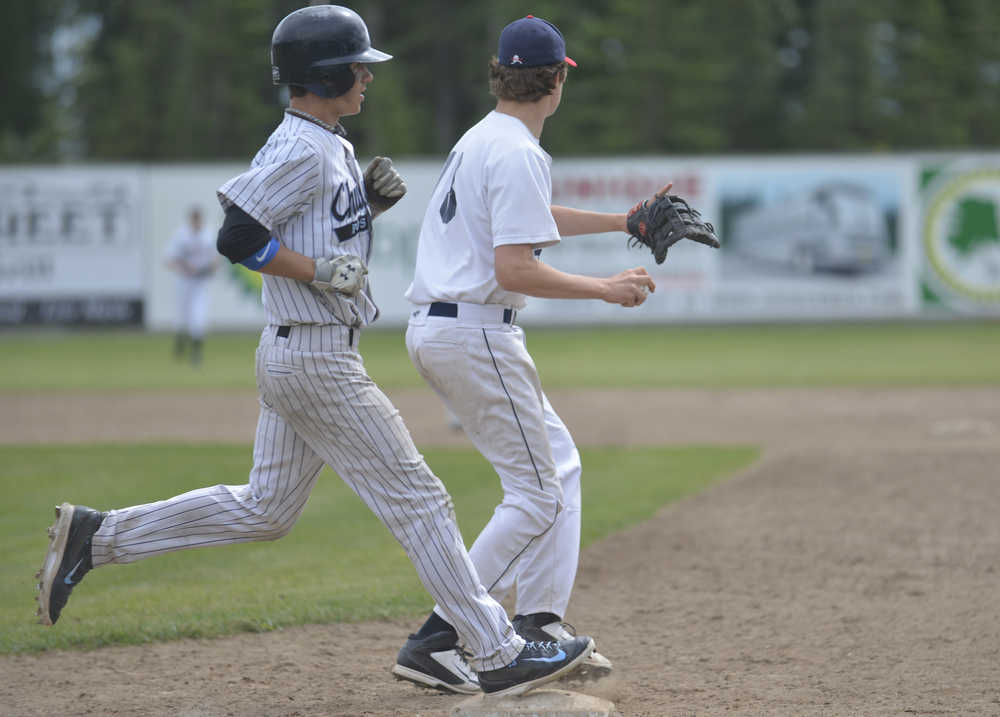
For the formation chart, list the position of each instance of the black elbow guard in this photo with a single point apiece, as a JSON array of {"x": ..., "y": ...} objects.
[{"x": 241, "y": 235}]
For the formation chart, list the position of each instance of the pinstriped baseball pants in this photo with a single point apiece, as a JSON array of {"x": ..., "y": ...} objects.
[{"x": 319, "y": 406}]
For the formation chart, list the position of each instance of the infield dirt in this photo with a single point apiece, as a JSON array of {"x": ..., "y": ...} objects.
[{"x": 853, "y": 570}]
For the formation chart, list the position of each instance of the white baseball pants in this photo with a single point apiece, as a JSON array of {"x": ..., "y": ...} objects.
[
  {"x": 481, "y": 369},
  {"x": 192, "y": 305}
]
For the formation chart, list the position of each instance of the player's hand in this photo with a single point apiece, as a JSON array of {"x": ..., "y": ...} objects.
[
  {"x": 383, "y": 185},
  {"x": 666, "y": 188},
  {"x": 629, "y": 288},
  {"x": 343, "y": 274}
]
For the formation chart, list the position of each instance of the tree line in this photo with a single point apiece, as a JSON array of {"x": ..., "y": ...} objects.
[{"x": 173, "y": 80}]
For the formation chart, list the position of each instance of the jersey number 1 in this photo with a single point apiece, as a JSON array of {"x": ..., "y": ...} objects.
[{"x": 450, "y": 204}]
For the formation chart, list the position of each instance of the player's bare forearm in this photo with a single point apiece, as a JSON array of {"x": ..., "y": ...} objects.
[
  {"x": 572, "y": 222},
  {"x": 290, "y": 264},
  {"x": 537, "y": 279},
  {"x": 518, "y": 270}
]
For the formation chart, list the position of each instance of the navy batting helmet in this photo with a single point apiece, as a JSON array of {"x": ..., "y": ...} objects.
[{"x": 314, "y": 47}]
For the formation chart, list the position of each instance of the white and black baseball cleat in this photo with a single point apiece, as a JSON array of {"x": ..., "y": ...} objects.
[
  {"x": 68, "y": 558},
  {"x": 436, "y": 661},
  {"x": 540, "y": 627},
  {"x": 537, "y": 664}
]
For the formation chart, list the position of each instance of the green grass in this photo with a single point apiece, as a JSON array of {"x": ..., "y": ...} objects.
[
  {"x": 337, "y": 564},
  {"x": 325, "y": 571},
  {"x": 890, "y": 354}
]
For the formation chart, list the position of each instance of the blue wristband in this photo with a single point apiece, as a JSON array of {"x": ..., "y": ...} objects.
[{"x": 260, "y": 259}]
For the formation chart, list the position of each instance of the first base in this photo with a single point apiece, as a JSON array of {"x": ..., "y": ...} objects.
[{"x": 543, "y": 703}]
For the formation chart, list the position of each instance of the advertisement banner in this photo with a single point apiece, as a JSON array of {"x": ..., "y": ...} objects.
[
  {"x": 960, "y": 236},
  {"x": 820, "y": 238},
  {"x": 684, "y": 281},
  {"x": 803, "y": 238},
  {"x": 72, "y": 249}
]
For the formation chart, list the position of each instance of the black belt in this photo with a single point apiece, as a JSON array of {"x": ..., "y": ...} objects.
[
  {"x": 445, "y": 308},
  {"x": 283, "y": 331}
]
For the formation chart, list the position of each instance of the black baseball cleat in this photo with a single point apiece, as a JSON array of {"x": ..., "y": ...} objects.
[
  {"x": 67, "y": 560},
  {"x": 543, "y": 626},
  {"x": 537, "y": 663},
  {"x": 436, "y": 661}
]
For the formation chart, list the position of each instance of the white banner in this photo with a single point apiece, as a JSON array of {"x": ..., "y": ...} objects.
[
  {"x": 804, "y": 238},
  {"x": 815, "y": 238},
  {"x": 72, "y": 249}
]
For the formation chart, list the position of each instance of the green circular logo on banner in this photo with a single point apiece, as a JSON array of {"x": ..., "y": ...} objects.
[{"x": 961, "y": 237}]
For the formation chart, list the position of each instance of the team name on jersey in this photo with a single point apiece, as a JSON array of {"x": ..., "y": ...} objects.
[
  {"x": 347, "y": 231},
  {"x": 349, "y": 202}
]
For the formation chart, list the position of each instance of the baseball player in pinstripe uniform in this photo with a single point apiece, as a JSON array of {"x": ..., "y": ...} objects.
[
  {"x": 302, "y": 215},
  {"x": 478, "y": 256}
]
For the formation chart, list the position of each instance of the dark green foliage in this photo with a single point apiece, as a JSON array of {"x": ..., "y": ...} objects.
[
  {"x": 26, "y": 127},
  {"x": 189, "y": 79}
]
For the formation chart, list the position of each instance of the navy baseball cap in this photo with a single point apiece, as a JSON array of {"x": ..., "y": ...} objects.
[{"x": 532, "y": 42}]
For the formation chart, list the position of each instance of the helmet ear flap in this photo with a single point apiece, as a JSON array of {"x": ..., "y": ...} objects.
[
  {"x": 339, "y": 78},
  {"x": 331, "y": 81}
]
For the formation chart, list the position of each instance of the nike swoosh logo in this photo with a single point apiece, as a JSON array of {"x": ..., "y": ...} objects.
[
  {"x": 456, "y": 664},
  {"x": 260, "y": 257},
  {"x": 561, "y": 655},
  {"x": 69, "y": 576},
  {"x": 463, "y": 672}
]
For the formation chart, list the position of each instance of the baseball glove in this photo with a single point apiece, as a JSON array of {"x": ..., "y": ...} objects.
[
  {"x": 344, "y": 274},
  {"x": 664, "y": 220}
]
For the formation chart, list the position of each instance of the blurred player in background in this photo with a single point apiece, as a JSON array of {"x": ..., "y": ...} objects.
[{"x": 191, "y": 254}]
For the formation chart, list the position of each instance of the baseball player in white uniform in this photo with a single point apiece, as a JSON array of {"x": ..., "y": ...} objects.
[
  {"x": 191, "y": 254},
  {"x": 302, "y": 216},
  {"x": 488, "y": 220}
]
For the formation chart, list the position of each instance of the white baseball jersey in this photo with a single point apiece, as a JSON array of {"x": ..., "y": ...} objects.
[
  {"x": 306, "y": 187},
  {"x": 195, "y": 249},
  {"x": 495, "y": 189},
  {"x": 196, "y": 255}
]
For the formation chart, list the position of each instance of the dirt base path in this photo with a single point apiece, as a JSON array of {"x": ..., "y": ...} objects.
[{"x": 855, "y": 570}]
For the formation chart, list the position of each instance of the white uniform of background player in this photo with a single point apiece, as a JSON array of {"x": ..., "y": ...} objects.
[
  {"x": 488, "y": 220},
  {"x": 317, "y": 404},
  {"x": 192, "y": 255}
]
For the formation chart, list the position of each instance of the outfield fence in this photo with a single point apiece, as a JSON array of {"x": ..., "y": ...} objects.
[{"x": 818, "y": 237}]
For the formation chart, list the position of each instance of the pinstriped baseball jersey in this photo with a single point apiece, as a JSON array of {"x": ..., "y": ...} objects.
[
  {"x": 318, "y": 405},
  {"x": 306, "y": 187}
]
